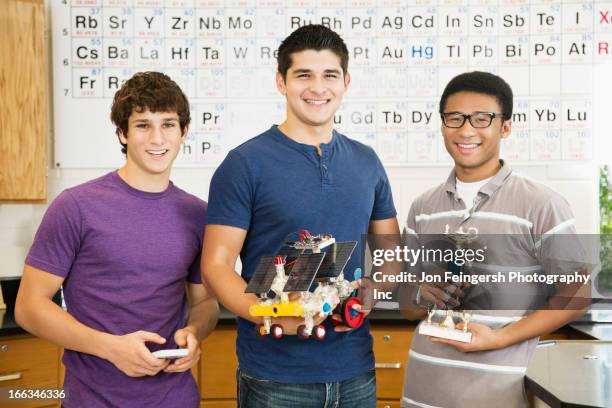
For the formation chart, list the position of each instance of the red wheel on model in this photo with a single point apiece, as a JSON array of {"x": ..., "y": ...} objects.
[
  {"x": 276, "y": 330},
  {"x": 319, "y": 332},
  {"x": 351, "y": 317}
]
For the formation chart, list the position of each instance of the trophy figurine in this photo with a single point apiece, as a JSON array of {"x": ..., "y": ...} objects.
[
  {"x": 448, "y": 322},
  {"x": 446, "y": 328}
]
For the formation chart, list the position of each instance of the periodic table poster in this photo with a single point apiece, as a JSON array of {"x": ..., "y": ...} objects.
[{"x": 402, "y": 54}]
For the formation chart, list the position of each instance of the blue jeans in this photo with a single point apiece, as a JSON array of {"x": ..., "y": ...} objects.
[{"x": 357, "y": 392}]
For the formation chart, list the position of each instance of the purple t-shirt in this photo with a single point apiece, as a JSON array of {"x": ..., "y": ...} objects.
[{"x": 125, "y": 255}]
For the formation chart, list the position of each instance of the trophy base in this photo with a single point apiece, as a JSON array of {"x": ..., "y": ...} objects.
[{"x": 436, "y": 330}]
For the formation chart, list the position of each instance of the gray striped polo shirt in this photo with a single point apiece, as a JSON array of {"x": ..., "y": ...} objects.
[{"x": 521, "y": 213}]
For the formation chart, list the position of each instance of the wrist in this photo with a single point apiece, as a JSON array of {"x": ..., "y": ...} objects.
[
  {"x": 105, "y": 346},
  {"x": 499, "y": 339}
]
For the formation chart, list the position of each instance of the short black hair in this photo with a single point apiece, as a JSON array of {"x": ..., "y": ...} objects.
[
  {"x": 483, "y": 83},
  {"x": 311, "y": 37},
  {"x": 148, "y": 90}
]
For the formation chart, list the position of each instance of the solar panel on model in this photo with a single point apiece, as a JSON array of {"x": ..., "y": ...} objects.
[
  {"x": 336, "y": 259},
  {"x": 290, "y": 254},
  {"x": 304, "y": 270},
  {"x": 263, "y": 276}
]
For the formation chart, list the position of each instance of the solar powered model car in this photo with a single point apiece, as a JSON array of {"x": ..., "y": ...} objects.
[{"x": 298, "y": 267}]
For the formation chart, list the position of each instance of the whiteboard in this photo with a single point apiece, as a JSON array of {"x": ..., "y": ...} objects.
[{"x": 402, "y": 54}]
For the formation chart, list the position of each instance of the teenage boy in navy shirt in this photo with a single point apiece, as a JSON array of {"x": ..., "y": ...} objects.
[{"x": 298, "y": 175}]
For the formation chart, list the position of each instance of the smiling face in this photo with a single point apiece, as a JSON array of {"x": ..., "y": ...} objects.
[
  {"x": 314, "y": 86},
  {"x": 475, "y": 151},
  {"x": 153, "y": 142}
]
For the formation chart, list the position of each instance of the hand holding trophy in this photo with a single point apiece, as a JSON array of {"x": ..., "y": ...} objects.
[{"x": 446, "y": 328}]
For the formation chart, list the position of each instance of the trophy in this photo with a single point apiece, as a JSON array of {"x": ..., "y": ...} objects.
[{"x": 446, "y": 328}]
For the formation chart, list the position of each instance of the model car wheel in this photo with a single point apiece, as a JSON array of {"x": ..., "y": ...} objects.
[
  {"x": 261, "y": 330},
  {"x": 319, "y": 332},
  {"x": 301, "y": 332},
  {"x": 277, "y": 331},
  {"x": 351, "y": 317}
]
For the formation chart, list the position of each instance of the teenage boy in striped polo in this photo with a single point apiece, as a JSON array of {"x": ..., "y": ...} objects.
[{"x": 483, "y": 193}]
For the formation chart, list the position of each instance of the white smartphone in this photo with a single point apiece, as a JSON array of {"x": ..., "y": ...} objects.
[{"x": 171, "y": 354}]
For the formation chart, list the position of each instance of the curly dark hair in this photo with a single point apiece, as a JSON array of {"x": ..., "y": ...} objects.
[
  {"x": 311, "y": 37},
  {"x": 152, "y": 91}
]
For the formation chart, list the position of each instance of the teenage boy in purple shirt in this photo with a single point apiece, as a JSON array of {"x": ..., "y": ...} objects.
[{"x": 126, "y": 248}]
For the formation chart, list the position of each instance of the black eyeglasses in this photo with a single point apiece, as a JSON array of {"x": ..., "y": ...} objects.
[{"x": 478, "y": 120}]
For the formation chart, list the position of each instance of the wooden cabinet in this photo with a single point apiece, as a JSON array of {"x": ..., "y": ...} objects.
[
  {"x": 22, "y": 101},
  {"x": 391, "y": 345},
  {"x": 218, "y": 404},
  {"x": 218, "y": 364},
  {"x": 28, "y": 362},
  {"x": 387, "y": 404}
]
